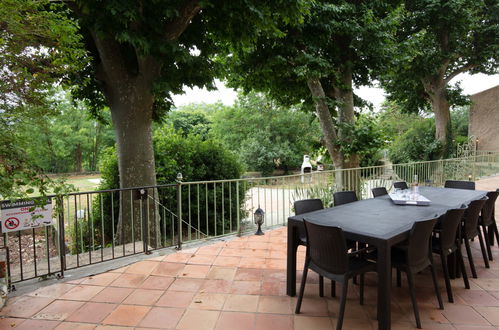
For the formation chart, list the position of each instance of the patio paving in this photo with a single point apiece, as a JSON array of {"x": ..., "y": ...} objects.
[{"x": 240, "y": 284}]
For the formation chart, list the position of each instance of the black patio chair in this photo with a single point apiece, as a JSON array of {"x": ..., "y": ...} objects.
[
  {"x": 379, "y": 191},
  {"x": 327, "y": 255},
  {"x": 414, "y": 256},
  {"x": 487, "y": 220},
  {"x": 400, "y": 185},
  {"x": 470, "y": 230},
  {"x": 445, "y": 242},
  {"x": 344, "y": 197},
  {"x": 470, "y": 185}
]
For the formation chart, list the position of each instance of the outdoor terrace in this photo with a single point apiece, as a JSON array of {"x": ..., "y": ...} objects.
[{"x": 239, "y": 283}]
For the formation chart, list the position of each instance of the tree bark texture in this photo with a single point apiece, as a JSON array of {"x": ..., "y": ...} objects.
[{"x": 441, "y": 109}]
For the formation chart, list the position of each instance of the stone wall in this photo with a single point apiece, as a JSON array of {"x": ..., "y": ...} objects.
[{"x": 484, "y": 119}]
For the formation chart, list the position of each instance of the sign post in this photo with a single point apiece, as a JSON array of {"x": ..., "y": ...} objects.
[{"x": 25, "y": 214}]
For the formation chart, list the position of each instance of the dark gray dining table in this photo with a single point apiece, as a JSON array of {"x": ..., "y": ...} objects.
[{"x": 379, "y": 223}]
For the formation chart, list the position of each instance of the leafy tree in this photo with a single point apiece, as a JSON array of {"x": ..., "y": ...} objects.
[
  {"x": 317, "y": 63},
  {"x": 438, "y": 40},
  {"x": 38, "y": 46},
  {"x": 418, "y": 143},
  {"x": 66, "y": 141},
  {"x": 190, "y": 121},
  {"x": 265, "y": 135},
  {"x": 144, "y": 51}
]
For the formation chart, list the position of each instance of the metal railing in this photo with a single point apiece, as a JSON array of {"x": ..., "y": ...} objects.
[{"x": 100, "y": 226}]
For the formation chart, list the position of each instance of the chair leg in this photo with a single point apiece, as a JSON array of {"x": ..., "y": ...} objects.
[
  {"x": 361, "y": 293},
  {"x": 343, "y": 301},
  {"x": 463, "y": 270},
  {"x": 487, "y": 242},
  {"x": 302, "y": 287},
  {"x": 482, "y": 248},
  {"x": 445, "y": 268},
  {"x": 470, "y": 257},
  {"x": 496, "y": 231},
  {"x": 399, "y": 278},
  {"x": 321, "y": 286},
  {"x": 412, "y": 291},
  {"x": 333, "y": 288},
  {"x": 435, "y": 284}
]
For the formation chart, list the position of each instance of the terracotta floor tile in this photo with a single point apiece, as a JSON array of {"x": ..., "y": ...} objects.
[
  {"x": 235, "y": 320},
  {"x": 274, "y": 322},
  {"x": 275, "y": 263},
  {"x": 216, "y": 286},
  {"x": 92, "y": 312},
  {"x": 10, "y": 322},
  {"x": 82, "y": 292},
  {"x": 38, "y": 325},
  {"x": 164, "y": 318},
  {"x": 127, "y": 315},
  {"x": 274, "y": 275},
  {"x": 489, "y": 284},
  {"x": 103, "y": 279},
  {"x": 276, "y": 305},
  {"x": 209, "y": 250},
  {"x": 157, "y": 282},
  {"x": 251, "y": 262},
  {"x": 312, "y": 322},
  {"x": 58, "y": 310},
  {"x": 52, "y": 291},
  {"x": 491, "y": 314},
  {"x": 278, "y": 254},
  {"x": 195, "y": 271},
  {"x": 143, "y": 297},
  {"x": 221, "y": 273},
  {"x": 196, "y": 319},
  {"x": 258, "y": 245},
  {"x": 25, "y": 306},
  {"x": 474, "y": 327},
  {"x": 241, "y": 303},
  {"x": 461, "y": 314},
  {"x": 357, "y": 324},
  {"x": 186, "y": 284},
  {"x": 202, "y": 259},
  {"x": 142, "y": 267},
  {"x": 211, "y": 301},
  {"x": 129, "y": 280},
  {"x": 178, "y": 257},
  {"x": 273, "y": 289},
  {"x": 478, "y": 298},
  {"x": 112, "y": 295},
  {"x": 227, "y": 261},
  {"x": 75, "y": 326},
  {"x": 168, "y": 269},
  {"x": 245, "y": 287},
  {"x": 175, "y": 299},
  {"x": 112, "y": 327},
  {"x": 248, "y": 274}
]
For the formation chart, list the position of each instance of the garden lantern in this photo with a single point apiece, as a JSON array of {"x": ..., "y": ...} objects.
[{"x": 259, "y": 218}]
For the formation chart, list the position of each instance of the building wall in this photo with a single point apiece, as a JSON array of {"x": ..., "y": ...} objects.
[{"x": 484, "y": 119}]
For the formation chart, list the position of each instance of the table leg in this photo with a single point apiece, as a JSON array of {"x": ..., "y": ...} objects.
[
  {"x": 384, "y": 286},
  {"x": 291, "y": 262}
]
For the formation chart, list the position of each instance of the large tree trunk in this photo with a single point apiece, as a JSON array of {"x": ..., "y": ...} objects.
[
  {"x": 441, "y": 109},
  {"x": 344, "y": 95},
  {"x": 132, "y": 121}
]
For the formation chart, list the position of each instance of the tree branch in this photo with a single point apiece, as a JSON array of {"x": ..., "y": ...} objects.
[
  {"x": 458, "y": 71},
  {"x": 175, "y": 28}
]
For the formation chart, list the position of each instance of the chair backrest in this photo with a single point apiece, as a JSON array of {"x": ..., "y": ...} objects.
[
  {"x": 400, "y": 185},
  {"x": 327, "y": 247},
  {"x": 450, "y": 223},
  {"x": 470, "y": 185},
  {"x": 379, "y": 191},
  {"x": 344, "y": 197},
  {"x": 308, "y": 205},
  {"x": 471, "y": 217},
  {"x": 488, "y": 208},
  {"x": 419, "y": 244}
]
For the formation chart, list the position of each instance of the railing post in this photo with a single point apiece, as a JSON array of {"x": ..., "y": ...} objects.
[
  {"x": 179, "y": 211},
  {"x": 145, "y": 221},
  {"x": 238, "y": 210},
  {"x": 62, "y": 245},
  {"x": 473, "y": 173}
]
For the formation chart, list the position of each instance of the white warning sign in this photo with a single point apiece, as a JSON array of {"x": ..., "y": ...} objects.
[{"x": 23, "y": 214}]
